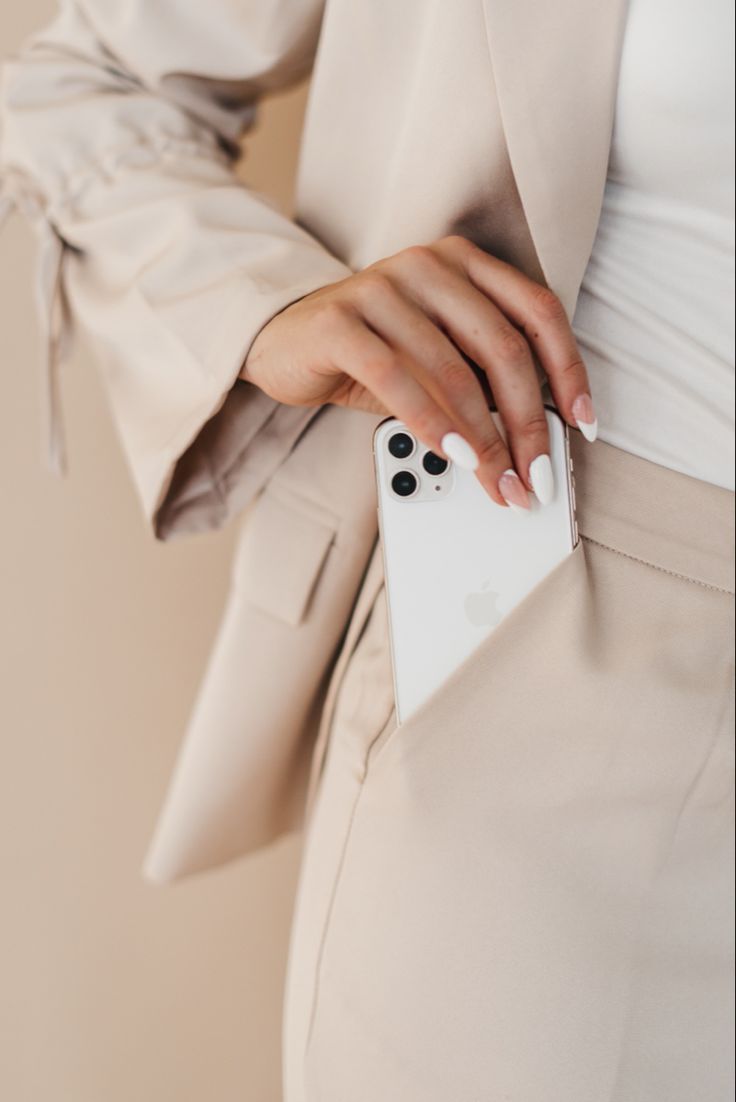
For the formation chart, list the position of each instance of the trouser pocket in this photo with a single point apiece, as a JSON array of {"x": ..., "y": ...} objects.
[
  {"x": 395, "y": 950},
  {"x": 508, "y": 861}
]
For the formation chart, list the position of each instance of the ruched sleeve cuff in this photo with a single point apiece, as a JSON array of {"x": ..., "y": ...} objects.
[{"x": 154, "y": 249}]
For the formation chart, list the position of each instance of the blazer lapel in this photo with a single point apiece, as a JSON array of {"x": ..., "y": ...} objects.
[{"x": 556, "y": 70}]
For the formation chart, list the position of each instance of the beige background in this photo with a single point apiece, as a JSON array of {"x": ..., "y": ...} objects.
[{"x": 112, "y": 990}]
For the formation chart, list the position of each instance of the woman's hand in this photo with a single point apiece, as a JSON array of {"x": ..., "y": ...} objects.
[{"x": 389, "y": 339}]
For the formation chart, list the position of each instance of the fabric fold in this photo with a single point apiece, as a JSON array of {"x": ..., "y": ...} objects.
[
  {"x": 151, "y": 245},
  {"x": 53, "y": 317}
]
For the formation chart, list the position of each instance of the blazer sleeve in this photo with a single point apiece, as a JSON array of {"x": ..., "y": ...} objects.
[{"x": 119, "y": 133}]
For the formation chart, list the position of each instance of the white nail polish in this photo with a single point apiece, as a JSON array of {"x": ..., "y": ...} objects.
[
  {"x": 589, "y": 429},
  {"x": 459, "y": 451},
  {"x": 513, "y": 491},
  {"x": 585, "y": 418},
  {"x": 542, "y": 479}
]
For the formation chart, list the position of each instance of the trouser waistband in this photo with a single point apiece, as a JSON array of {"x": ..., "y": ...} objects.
[{"x": 675, "y": 522}]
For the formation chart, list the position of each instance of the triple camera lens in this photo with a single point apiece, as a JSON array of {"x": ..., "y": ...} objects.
[{"x": 405, "y": 483}]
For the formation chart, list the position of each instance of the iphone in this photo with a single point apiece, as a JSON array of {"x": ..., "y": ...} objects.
[{"x": 455, "y": 562}]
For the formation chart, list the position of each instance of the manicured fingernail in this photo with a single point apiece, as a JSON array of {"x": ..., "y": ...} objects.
[
  {"x": 514, "y": 492},
  {"x": 542, "y": 479},
  {"x": 459, "y": 451},
  {"x": 585, "y": 418}
]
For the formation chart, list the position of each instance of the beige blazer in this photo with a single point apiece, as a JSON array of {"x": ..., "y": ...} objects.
[{"x": 121, "y": 125}]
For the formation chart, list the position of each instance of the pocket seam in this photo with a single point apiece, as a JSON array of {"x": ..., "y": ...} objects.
[
  {"x": 655, "y": 566},
  {"x": 333, "y": 896}
]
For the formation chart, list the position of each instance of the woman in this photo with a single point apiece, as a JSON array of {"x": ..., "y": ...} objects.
[{"x": 523, "y": 892}]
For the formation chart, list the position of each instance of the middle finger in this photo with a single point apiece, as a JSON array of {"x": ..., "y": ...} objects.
[{"x": 478, "y": 327}]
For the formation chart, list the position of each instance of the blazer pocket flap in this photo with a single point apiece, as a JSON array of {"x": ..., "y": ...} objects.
[{"x": 281, "y": 556}]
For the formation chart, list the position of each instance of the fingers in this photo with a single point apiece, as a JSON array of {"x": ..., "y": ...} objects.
[
  {"x": 403, "y": 331},
  {"x": 365, "y": 357},
  {"x": 539, "y": 313},
  {"x": 436, "y": 364},
  {"x": 480, "y": 329}
]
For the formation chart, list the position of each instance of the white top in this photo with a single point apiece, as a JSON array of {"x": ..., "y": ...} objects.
[{"x": 655, "y": 318}]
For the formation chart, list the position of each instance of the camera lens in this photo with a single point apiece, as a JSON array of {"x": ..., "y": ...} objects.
[
  {"x": 404, "y": 483},
  {"x": 434, "y": 464},
  {"x": 401, "y": 445}
]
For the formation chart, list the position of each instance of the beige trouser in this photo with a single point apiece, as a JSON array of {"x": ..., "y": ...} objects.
[{"x": 525, "y": 892}]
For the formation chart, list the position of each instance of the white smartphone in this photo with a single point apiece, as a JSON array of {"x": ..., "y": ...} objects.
[{"x": 455, "y": 562}]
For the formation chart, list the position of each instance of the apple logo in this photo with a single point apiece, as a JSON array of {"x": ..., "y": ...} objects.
[{"x": 482, "y": 608}]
